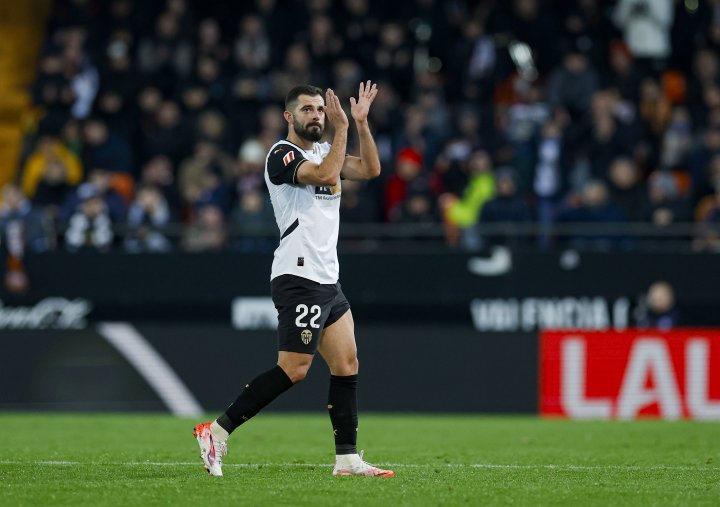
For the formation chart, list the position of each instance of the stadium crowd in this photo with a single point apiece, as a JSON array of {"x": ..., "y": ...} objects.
[{"x": 157, "y": 113}]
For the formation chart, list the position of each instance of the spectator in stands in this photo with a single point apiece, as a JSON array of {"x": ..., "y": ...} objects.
[
  {"x": 646, "y": 28},
  {"x": 622, "y": 76},
  {"x": 408, "y": 173},
  {"x": 210, "y": 42},
  {"x": 165, "y": 55},
  {"x": 167, "y": 135},
  {"x": 594, "y": 207},
  {"x": 100, "y": 184},
  {"x": 250, "y": 169},
  {"x": 358, "y": 204},
  {"x": 203, "y": 177},
  {"x": 507, "y": 205},
  {"x": 147, "y": 219},
  {"x": 665, "y": 204},
  {"x": 207, "y": 232},
  {"x": 21, "y": 222},
  {"x": 627, "y": 189},
  {"x": 418, "y": 207},
  {"x": 658, "y": 309},
  {"x": 252, "y": 49},
  {"x": 53, "y": 189},
  {"x": 158, "y": 173},
  {"x": 393, "y": 57},
  {"x": 103, "y": 148},
  {"x": 571, "y": 86},
  {"x": 708, "y": 210},
  {"x": 90, "y": 226},
  {"x": 254, "y": 220},
  {"x": 460, "y": 214},
  {"x": 49, "y": 150}
]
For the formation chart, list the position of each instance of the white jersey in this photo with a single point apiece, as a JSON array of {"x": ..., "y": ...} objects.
[{"x": 308, "y": 216}]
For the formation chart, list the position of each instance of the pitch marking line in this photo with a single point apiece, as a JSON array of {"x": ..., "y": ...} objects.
[{"x": 398, "y": 465}]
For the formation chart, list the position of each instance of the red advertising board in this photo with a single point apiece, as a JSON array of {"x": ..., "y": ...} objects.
[{"x": 630, "y": 374}]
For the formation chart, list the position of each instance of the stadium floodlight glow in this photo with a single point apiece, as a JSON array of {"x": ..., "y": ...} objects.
[{"x": 523, "y": 60}]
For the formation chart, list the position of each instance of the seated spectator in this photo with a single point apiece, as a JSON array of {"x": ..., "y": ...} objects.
[
  {"x": 53, "y": 189},
  {"x": 90, "y": 226},
  {"x": 418, "y": 207},
  {"x": 465, "y": 212},
  {"x": 665, "y": 204},
  {"x": 147, "y": 218},
  {"x": 507, "y": 205},
  {"x": 101, "y": 181},
  {"x": 18, "y": 214},
  {"x": 207, "y": 231},
  {"x": 594, "y": 207},
  {"x": 408, "y": 174},
  {"x": 708, "y": 212},
  {"x": 626, "y": 188},
  {"x": 249, "y": 169},
  {"x": 358, "y": 204},
  {"x": 254, "y": 220},
  {"x": 48, "y": 149},
  {"x": 105, "y": 149},
  {"x": 203, "y": 176},
  {"x": 158, "y": 173}
]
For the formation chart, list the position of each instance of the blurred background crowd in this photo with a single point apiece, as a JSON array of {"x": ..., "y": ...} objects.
[{"x": 151, "y": 119}]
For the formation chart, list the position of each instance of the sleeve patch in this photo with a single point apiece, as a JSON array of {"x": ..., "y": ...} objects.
[{"x": 282, "y": 164}]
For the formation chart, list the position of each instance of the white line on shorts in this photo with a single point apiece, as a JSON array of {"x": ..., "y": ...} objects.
[{"x": 397, "y": 465}]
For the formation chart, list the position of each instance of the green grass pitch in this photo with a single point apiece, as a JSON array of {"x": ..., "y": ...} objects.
[{"x": 284, "y": 459}]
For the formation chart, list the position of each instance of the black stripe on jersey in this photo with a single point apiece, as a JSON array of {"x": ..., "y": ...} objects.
[
  {"x": 283, "y": 163},
  {"x": 290, "y": 229}
]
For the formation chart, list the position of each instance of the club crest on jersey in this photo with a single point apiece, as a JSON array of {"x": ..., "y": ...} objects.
[
  {"x": 289, "y": 157},
  {"x": 306, "y": 336}
]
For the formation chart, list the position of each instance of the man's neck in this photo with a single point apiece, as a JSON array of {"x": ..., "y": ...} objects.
[{"x": 299, "y": 141}]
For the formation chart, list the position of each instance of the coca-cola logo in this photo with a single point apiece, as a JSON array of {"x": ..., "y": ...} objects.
[{"x": 48, "y": 313}]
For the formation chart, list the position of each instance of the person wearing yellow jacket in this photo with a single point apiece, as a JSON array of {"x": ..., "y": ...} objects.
[
  {"x": 461, "y": 213},
  {"x": 49, "y": 149}
]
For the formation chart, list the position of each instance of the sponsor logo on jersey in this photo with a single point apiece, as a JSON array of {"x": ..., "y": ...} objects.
[
  {"x": 327, "y": 190},
  {"x": 306, "y": 336},
  {"x": 289, "y": 157}
]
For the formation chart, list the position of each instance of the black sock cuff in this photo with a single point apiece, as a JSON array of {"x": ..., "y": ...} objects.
[
  {"x": 349, "y": 380},
  {"x": 282, "y": 377},
  {"x": 225, "y": 423}
]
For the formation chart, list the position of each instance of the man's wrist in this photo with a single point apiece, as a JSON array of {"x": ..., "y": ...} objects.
[{"x": 361, "y": 123}]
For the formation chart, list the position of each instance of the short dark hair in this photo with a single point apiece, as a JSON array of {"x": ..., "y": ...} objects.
[{"x": 293, "y": 94}]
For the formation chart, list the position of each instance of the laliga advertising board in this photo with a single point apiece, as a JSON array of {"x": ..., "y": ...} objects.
[{"x": 630, "y": 374}]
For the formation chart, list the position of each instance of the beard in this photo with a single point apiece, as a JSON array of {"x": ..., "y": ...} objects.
[{"x": 313, "y": 135}]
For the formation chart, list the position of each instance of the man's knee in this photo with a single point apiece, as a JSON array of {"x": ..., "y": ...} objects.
[
  {"x": 295, "y": 370},
  {"x": 348, "y": 366}
]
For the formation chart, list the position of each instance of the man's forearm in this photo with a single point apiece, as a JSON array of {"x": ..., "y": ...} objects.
[
  {"x": 333, "y": 162},
  {"x": 369, "y": 158}
]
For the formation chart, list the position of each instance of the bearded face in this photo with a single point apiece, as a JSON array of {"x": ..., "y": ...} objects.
[{"x": 310, "y": 131}]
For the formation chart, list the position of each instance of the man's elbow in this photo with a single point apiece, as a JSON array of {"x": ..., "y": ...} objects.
[
  {"x": 374, "y": 172},
  {"x": 329, "y": 181}
]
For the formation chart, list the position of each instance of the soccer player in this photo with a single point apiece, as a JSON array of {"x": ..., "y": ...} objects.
[{"x": 304, "y": 179}]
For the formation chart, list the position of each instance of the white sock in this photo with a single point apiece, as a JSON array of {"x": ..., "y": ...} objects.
[
  {"x": 347, "y": 460},
  {"x": 218, "y": 431}
]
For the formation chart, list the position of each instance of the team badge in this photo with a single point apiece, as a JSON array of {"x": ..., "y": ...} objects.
[
  {"x": 306, "y": 336},
  {"x": 289, "y": 157}
]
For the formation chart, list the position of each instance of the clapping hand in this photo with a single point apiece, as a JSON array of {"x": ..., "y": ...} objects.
[{"x": 359, "y": 108}]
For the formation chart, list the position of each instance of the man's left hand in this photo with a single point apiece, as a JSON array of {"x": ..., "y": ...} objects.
[{"x": 360, "y": 108}]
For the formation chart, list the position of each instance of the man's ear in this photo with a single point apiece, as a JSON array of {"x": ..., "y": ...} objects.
[{"x": 288, "y": 116}]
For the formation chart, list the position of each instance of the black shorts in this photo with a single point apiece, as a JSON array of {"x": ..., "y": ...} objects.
[{"x": 304, "y": 309}]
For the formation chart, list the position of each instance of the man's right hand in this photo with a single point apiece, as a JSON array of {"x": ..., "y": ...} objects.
[{"x": 334, "y": 111}]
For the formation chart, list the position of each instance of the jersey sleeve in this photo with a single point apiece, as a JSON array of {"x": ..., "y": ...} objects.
[{"x": 283, "y": 163}]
